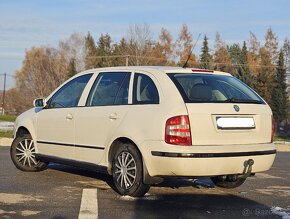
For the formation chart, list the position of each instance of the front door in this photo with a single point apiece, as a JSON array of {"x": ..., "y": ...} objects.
[{"x": 56, "y": 122}]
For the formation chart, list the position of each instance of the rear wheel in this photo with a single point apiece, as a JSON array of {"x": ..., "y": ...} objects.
[
  {"x": 22, "y": 153},
  {"x": 228, "y": 182},
  {"x": 127, "y": 170}
]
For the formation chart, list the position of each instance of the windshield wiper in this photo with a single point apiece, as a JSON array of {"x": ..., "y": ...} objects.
[{"x": 234, "y": 100}]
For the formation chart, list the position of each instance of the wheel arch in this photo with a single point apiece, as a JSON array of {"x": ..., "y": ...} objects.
[
  {"x": 114, "y": 147},
  {"x": 22, "y": 130},
  {"x": 25, "y": 126}
]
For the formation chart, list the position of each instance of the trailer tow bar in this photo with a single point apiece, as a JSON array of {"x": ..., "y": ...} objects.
[{"x": 249, "y": 164}]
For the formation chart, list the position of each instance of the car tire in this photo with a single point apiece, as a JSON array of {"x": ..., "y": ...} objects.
[
  {"x": 127, "y": 171},
  {"x": 226, "y": 183},
  {"x": 22, "y": 153}
]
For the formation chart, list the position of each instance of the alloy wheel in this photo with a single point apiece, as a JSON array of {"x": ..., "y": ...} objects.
[
  {"x": 125, "y": 170},
  {"x": 25, "y": 153}
]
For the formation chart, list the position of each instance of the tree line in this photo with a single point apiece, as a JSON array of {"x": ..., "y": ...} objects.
[{"x": 260, "y": 64}]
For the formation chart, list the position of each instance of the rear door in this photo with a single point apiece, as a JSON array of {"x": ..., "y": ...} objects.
[
  {"x": 223, "y": 111},
  {"x": 97, "y": 121}
]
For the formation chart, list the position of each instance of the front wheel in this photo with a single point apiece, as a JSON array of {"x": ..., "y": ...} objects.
[
  {"x": 228, "y": 182},
  {"x": 127, "y": 170},
  {"x": 22, "y": 153}
]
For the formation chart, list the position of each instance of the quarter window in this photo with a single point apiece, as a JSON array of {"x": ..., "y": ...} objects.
[
  {"x": 69, "y": 95},
  {"x": 110, "y": 88},
  {"x": 144, "y": 91}
]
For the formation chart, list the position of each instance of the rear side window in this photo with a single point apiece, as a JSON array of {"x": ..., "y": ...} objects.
[
  {"x": 110, "y": 88},
  {"x": 144, "y": 90},
  {"x": 207, "y": 88}
]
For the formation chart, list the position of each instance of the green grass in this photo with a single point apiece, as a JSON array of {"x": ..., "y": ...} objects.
[
  {"x": 8, "y": 118},
  {"x": 281, "y": 138},
  {"x": 7, "y": 134}
]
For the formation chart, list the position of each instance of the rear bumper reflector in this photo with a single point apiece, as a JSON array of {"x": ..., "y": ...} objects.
[{"x": 211, "y": 155}]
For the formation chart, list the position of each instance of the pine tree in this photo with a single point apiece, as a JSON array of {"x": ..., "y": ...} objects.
[
  {"x": 243, "y": 69},
  {"x": 104, "y": 48},
  {"x": 240, "y": 62},
  {"x": 205, "y": 57},
  {"x": 71, "y": 68},
  {"x": 279, "y": 95},
  {"x": 121, "y": 49},
  {"x": 90, "y": 52},
  {"x": 264, "y": 80},
  {"x": 235, "y": 52}
]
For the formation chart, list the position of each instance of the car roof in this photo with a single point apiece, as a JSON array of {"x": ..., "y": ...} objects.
[{"x": 158, "y": 69}]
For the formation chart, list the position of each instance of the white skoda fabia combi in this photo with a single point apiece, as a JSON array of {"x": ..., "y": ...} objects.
[{"x": 142, "y": 124}]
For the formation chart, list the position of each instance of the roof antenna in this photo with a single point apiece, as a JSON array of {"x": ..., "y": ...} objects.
[{"x": 185, "y": 64}]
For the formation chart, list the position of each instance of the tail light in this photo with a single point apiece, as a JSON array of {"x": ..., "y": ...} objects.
[
  {"x": 273, "y": 129},
  {"x": 177, "y": 131}
]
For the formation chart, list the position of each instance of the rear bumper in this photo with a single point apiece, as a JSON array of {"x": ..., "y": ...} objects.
[{"x": 162, "y": 159}]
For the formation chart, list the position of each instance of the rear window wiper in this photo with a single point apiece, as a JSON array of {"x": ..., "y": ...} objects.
[{"x": 234, "y": 100}]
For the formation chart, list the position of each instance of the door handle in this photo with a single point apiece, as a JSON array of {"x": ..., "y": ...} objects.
[
  {"x": 69, "y": 116},
  {"x": 114, "y": 116}
]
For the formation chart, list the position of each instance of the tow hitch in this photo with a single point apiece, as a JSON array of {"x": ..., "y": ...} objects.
[
  {"x": 234, "y": 180},
  {"x": 248, "y": 169}
]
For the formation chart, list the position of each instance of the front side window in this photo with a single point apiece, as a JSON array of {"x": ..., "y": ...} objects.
[
  {"x": 144, "y": 90},
  {"x": 110, "y": 88},
  {"x": 207, "y": 88},
  {"x": 69, "y": 94}
]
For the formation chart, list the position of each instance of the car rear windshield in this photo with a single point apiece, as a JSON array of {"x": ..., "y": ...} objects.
[{"x": 208, "y": 88}]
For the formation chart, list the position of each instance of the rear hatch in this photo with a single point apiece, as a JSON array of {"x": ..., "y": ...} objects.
[
  {"x": 220, "y": 124},
  {"x": 222, "y": 110}
]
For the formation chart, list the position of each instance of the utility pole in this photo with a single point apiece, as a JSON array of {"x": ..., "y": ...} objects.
[
  {"x": 127, "y": 60},
  {"x": 3, "y": 98}
]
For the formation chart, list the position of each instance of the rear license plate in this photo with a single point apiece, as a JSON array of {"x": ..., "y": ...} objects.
[{"x": 235, "y": 123}]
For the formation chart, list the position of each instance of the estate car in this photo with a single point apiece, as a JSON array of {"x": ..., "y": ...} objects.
[{"x": 143, "y": 124}]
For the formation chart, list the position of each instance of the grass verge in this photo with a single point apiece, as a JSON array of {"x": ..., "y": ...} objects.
[
  {"x": 8, "y": 118},
  {"x": 6, "y": 134},
  {"x": 281, "y": 137}
]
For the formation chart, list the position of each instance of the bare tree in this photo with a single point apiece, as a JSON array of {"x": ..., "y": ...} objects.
[
  {"x": 166, "y": 44},
  {"x": 43, "y": 69},
  {"x": 271, "y": 45},
  {"x": 183, "y": 46},
  {"x": 254, "y": 44},
  {"x": 253, "y": 54},
  {"x": 222, "y": 58},
  {"x": 73, "y": 48},
  {"x": 286, "y": 51},
  {"x": 139, "y": 44}
]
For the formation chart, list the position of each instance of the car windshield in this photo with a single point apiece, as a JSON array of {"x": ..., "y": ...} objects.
[{"x": 208, "y": 88}]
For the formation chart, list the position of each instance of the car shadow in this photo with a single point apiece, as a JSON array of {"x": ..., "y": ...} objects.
[
  {"x": 168, "y": 204},
  {"x": 172, "y": 182},
  {"x": 82, "y": 172}
]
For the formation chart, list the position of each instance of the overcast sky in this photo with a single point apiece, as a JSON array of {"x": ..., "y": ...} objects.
[{"x": 27, "y": 23}]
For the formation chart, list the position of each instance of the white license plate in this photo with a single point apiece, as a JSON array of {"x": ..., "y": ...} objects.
[{"x": 235, "y": 123}]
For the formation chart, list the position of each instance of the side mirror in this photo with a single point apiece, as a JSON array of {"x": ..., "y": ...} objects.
[{"x": 39, "y": 102}]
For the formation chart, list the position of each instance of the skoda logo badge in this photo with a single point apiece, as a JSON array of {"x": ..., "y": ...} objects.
[{"x": 237, "y": 108}]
